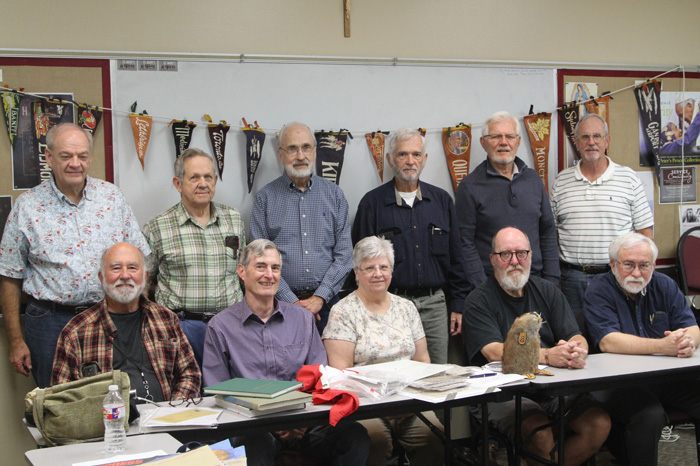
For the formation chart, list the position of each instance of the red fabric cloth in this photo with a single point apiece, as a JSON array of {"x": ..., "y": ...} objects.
[{"x": 344, "y": 403}]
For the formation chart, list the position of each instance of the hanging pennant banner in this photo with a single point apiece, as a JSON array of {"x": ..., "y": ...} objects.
[
  {"x": 10, "y": 104},
  {"x": 255, "y": 139},
  {"x": 600, "y": 106},
  {"x": 47, "y": 114},
  {"x": 330, "y": 153},
  {"x": 376, "y": 142},
  {"x": 539, "y": 130},
  {"x": 182, "y": 133},
  {"x": 569, "y": 119},
  {"x": 89, "y": 117},
  {"x": 217, "y": 137},
  {"x": 35, "y": 118},
  {"x": 457, "y": 142},
  {"x": 141, "y": 125},
  {"x": 647, "y": 96}
]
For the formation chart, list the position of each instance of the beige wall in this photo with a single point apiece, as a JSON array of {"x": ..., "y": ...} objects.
[
  {"x": 559, "y": 31},
  {"x": 616, "y": 32}
]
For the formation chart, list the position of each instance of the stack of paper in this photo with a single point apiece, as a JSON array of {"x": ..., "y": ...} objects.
[
  {"x": 457, "y": 382},
  {"x": 169, "y": 418}
]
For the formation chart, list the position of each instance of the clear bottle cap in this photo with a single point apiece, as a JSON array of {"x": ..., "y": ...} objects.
[{"x": 113, "y": 388}]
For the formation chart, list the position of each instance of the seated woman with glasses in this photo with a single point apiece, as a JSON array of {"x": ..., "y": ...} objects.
[{"x": 371, "y": 326}]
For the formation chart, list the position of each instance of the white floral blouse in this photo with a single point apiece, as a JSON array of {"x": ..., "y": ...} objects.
[{"x": 377, "y": 338}]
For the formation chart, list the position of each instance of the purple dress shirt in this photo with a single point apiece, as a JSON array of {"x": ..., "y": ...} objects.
[{"x": 239, "y": 344}]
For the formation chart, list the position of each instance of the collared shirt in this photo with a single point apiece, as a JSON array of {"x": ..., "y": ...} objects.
[
  {"x": 589, "y": 215},
  {"x": 487, "y": 201},
  {"x": 607, "y": 308},
  {"x": 55, "y": 246},
  {"x": 489, "y": 313},
  {"x": 312, "y": 232},
  {"x": 196, "y": 265},
  {"x": 427, "y": 245},
  {"x": 239, "y": 344},
  {"x": 87, "y": 339}
]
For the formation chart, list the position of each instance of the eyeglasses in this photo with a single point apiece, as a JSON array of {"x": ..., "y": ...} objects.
[
  {"x": 506, "y": 256},
  {"x": 629, "y": 266},
  {"x": 597, "y": 137},
  {"x": 404, "y": 155},
  {"x": 185, "y": 401},
  {"x": 498, "y": 137},
  {"x": 293, "y": 150},
  {"x": 383, "y": 269}
]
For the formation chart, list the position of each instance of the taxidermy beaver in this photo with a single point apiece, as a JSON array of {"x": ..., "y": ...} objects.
[{"x": 521, "y": 350}]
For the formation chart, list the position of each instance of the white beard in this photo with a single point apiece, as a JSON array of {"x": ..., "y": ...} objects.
[
  {"x": 514, "y": 282},
  {"x": 298, "y": 172},
  {"x": 631, "y": 284},
  {"x": 123, "y": 294}
]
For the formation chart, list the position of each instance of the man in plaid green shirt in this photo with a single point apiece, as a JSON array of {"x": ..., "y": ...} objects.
[{"x": 195, "y": 247}]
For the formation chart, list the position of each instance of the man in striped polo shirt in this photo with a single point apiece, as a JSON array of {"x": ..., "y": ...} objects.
[{"x": 594, "y": 202}]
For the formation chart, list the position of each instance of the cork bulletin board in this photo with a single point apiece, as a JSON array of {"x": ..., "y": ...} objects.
[
  {"x": 87, "y": 81},
  {"x": 624, "y": 136}
]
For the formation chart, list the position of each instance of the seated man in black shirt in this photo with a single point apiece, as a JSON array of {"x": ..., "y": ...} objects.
[
  {"x": 126, "y": 331},
  {"x": 489, "y": 313}
]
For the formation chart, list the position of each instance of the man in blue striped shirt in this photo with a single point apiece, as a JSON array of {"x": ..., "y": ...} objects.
[{"x": 306, "y": 217}]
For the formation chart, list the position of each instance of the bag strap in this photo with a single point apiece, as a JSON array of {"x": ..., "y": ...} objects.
[{"x": 39, "y": 416}]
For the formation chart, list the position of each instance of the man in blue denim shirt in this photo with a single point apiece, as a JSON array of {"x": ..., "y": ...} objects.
[{"x": 633, "y": 310}]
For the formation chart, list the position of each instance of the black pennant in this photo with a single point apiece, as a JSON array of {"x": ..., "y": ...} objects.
[
  {"x": 330, "y": 154},
  {"x": 182, "y": 134}
]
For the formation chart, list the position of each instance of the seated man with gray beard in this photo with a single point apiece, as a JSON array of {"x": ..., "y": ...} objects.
[
  {"x": 126, "y": 331},
  {"x": 634, "y": 310},
  {"x": 489, "y": 312}
]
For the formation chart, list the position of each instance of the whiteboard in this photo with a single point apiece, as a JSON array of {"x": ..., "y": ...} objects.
[{"x": 359, "y": 97}]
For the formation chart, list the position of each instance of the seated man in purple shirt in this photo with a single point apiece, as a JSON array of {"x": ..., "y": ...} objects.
[{"x": 262, "y": 338}]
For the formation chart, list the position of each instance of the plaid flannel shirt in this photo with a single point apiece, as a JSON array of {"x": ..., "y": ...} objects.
[
  {"x": 88, "y": 337},
  {"x": 195, "y": 267}
]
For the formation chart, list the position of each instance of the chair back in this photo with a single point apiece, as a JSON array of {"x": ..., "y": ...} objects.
[{"x": 689, "y": 262}]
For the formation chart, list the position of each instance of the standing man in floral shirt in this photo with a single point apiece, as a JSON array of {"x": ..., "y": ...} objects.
[{"x": 51, "y": 248}]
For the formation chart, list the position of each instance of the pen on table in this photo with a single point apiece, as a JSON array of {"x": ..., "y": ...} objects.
[{"x": 478, "y": 376}]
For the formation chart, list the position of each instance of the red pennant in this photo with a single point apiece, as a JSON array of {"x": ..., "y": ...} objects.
[
  {"x": 141, "y": 128},
  {"x": 457, "y": 142},
  {"x": 539, "y": 128},
  {"x": 376, "y": 142}
]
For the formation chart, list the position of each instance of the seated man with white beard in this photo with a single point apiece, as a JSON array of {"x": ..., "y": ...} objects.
[
  {"x": 634, "y": 310},
  {"x": 489, "y": 312},
  {"x": 126, "y": 331}
]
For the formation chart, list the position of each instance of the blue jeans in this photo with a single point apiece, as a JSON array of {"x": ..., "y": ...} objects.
[
  {"x": 573, "y": 284},
  {"x": 195, "y": 330},
  {"x": 346, "y": 444},
  {"x": 42, "y": 328}
]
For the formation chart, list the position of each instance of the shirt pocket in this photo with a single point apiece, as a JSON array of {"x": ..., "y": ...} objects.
[
  {"x": 295, "y": 355},
  {"x": 439, "y": 238},
  {"x": 659, "y": 323},
  {"x": 166, "y": 349},
  {"x": 231, "y": 251},
  {"x": 393, "y": 234}
]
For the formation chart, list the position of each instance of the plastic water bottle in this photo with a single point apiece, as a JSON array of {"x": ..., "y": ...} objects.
[{"x": 114, "y": 414}]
